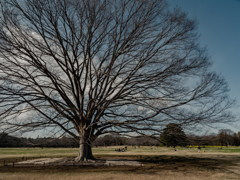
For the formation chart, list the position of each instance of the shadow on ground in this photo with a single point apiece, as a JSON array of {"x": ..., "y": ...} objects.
[{"x": 152, "y": 165}]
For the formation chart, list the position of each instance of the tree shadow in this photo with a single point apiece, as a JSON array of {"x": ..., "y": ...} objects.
[{"x": 151, "y": 165}]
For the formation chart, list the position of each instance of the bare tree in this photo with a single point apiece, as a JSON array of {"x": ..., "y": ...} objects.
[
  {"x": 92, "y": 67},
  {"x": 225, "y": 137}
]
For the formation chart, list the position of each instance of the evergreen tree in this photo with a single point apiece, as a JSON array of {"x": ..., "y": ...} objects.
[{"x": 173, "y": 135}]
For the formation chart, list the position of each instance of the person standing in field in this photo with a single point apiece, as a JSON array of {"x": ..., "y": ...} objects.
[{"x": 199, "y": 149}]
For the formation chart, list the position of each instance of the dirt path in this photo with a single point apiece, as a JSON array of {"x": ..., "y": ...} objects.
[{"x": 72, "y": 162}]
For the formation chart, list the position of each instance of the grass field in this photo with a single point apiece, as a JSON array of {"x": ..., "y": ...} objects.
[{"x": 159, "y": 163}]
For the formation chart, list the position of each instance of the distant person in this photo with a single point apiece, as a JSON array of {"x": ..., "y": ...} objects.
[{"x": 199, "y": 149}]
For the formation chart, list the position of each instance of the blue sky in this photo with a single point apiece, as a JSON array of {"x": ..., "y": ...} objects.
[{"x": 219, "y": 29}]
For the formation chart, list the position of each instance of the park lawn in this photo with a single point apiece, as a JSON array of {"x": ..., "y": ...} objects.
[
  {"x": 144, "y": 150},
  {"x": 161, "y": 167},
  {"x": 184, "y": 163}
]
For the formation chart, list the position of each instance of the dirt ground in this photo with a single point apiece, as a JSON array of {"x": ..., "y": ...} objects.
[
  {"x": 151, "y": 172},
  {"x": 166, "y": 175},
  {"x": 173, "y": 165},
  {"x": 155, "y": 167}
]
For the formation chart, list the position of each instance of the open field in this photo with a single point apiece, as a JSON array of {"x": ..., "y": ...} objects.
[{"x": 159, "y": 163}]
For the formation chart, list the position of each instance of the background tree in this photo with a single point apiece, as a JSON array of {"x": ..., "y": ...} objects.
[
  {"x": 142, "y": 141},
  {"x": 91, "y": 67},
  {"x": 10, "y": 141},
  {"x": 203, "y": 140},
  {"x": 173, "y": 135},
  {"x": 109, "y": 140},
  {"x": 225, "y": 137},
  {"x": 236, "y": 139}
]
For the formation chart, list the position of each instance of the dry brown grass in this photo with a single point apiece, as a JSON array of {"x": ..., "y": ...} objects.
[
  {"x": 141, "y": 174},
  {"x": 107, "y": 176},
  {"x": 161, "y": 167},
  {"x": 162, "y": 163}
]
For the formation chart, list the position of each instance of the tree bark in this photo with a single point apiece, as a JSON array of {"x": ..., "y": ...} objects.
[{"x": 85, "y": 150}]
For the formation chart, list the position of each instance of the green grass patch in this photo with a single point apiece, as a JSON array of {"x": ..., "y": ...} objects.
[{"x": 49, "y": 152}]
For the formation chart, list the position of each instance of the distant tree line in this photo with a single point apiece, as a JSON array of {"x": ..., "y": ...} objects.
[
  {"x": 110, "y": 140},
  {"x": 225, "y": 137},
  {"x": 11, "y": 141}
]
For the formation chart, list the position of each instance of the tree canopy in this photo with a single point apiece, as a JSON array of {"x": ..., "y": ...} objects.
[
  {"x": 91, "y": 67},
  {"x": 173, "y": 135}
]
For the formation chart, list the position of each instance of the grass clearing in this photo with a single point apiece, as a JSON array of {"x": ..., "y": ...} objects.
[{"x": 185, "y": 163}]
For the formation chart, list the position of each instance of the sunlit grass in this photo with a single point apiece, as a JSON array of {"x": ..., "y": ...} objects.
[{"x": 143, "y": 150}]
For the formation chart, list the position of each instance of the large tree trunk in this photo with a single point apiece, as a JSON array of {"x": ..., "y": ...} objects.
[{"x": 85, "y": 150}]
